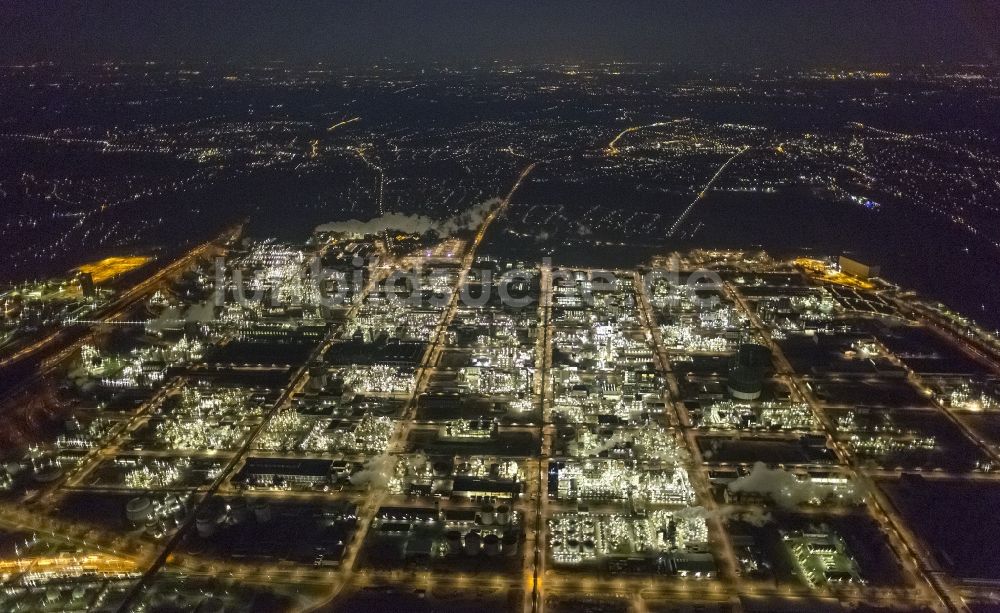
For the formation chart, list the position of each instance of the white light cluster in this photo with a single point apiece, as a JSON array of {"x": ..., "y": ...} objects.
[
  {"x": 689, "y": 338},
  {"x": 143, "y": 367},
  {"x": 882, "y": 445},
  {"x": 283, "y": 431},
  {"x": 369, "y": 436},
  {"x": 198, "y": 434},
  {"x": 726, "y": 415},
  {"x": 620, "y": 480},
  {"x": 495, "y": 381},
  {"x": 650, "y": 442},
  {"x": 378, "y": 378},
  {"x": 86, "y": 438},
  {"x": 158, "y": 473},
  {"x": 580, "y": 537},
  {"x": 216, "y": 403},
  {"x": 965, "y": 398}
]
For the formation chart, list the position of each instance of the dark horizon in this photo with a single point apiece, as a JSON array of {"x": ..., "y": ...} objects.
[{"x": 820, "y": 33}]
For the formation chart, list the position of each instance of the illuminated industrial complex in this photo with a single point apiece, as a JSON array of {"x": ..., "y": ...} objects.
[{"x": 505, "y": 390}]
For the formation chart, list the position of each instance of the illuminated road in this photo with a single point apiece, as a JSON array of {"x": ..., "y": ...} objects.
[
  {"x": 703, "y": 192},
  {"x": 342, "y": 123},
  {"x": 612, "y": 148},
  {"x": 721, "y": 547},
  {"x": 533, "y": 554}
]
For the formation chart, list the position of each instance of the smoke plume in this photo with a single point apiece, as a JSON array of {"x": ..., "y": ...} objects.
[{"x": 415, "y": 224}]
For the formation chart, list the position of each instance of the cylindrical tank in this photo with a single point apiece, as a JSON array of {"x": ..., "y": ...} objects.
[
  {"x": 209, "y": 516},
  {"x": 139, "y": 509},
  {"x": 503, "y": 515},
  {"x": 261, "y": 511},
  {"x": 473, "y": 543},
  {"x": 573, "y": 545},
  {"x": 752, "y": 355},
  {"x": 588, "y": 546},
  {"x": 441, "y": 469},
  {"x": 454, "y": 538},
  {"x": 509, "y": 543},
  {"x": 317, "y": 377},
  {"x": 205, "y": 523},
  {"x": 745, "y": 383},
  {"x": 239, "y": 511},
  {"x": 491, "y": 545},
  {"x": 48, "y": 473},
  {"x": 487, "y": 515},
  {"x": 211, "y": 605}
]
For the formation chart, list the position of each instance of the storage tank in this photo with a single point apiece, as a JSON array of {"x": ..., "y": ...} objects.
[
  {"x": 13, "y": 468},
  {"x": 211, "y": 605},
  {"x": 261, "y": 511},
  {"x": 52, "y": 595},
  {"x": 503, "y": 515},
  {"x": 487, "y": 515},
  {"x": 317, "y": 377},
  {"x": 454, "y": 539},
  {"x": 206, "y": 523},
  {"x": 491, "y": 545},
  {"x": 139, "y": 509},
  {"x": 752, "y": 355},
  {"x": 745, "y": 383},
  {"x": 239, "y": 512},
  {"x": 473, "y": 543},
  {"x": 441, "y": 469},
  {"x": 588, "y": 546},
  {"x": 48, "y": 473},
  {"x": 209, "y": 516},
  {"x": 509, "y": 543}
]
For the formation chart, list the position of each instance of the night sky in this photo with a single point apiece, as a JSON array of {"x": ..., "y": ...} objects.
[{"x": 792, "y": 32}]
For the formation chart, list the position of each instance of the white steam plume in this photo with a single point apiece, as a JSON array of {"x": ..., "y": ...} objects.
[
  {"x": 377, "y": 472},
  {"x": 415, "y": 224},
  {"x": 787, "y": 490}
]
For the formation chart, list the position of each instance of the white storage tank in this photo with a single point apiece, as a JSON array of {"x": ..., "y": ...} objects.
[
  {"x": 139, "y": 509},
  {"x": 487, "y": 515},
  {"x": 503, "y": 515}
]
